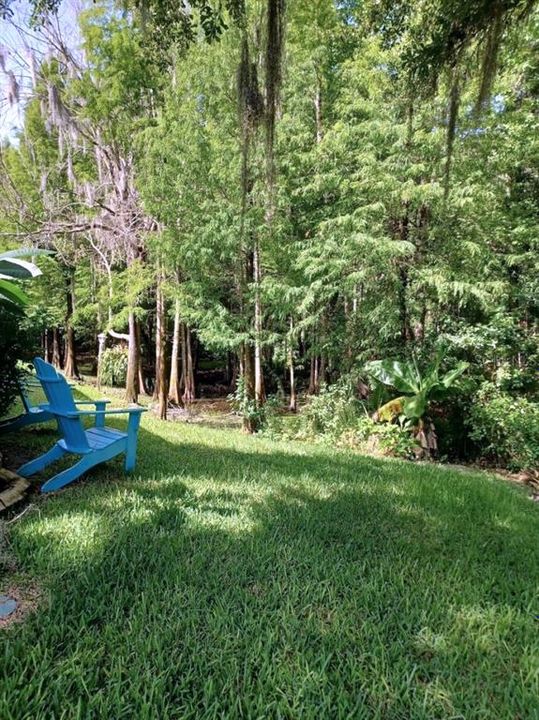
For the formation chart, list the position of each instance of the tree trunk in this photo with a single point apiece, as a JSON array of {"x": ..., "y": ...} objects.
[
  {"x": 405, "y": 331},
  {"x": 260, "y": 392},
  {"x": 318, "y": 112},
  {"x": 70, "y": 368},
  {"x": 95, "y": 295},
  {"x": 454, "y": 105},
  {"x": 314, "y": 378},
  {"x": 293, "y": 405},
  {"x": 111, "y": 295},
  {"x": 183, "y": 342},
  {"x": 230, "y": 369},
  {"x": 161, "y": 389},
  {"x": 46, "y": 349},
  {"x": 174, "y": 389},
  {"x": 248, "y": 423},
  {"x": 322, "y": 371},
  {"x": 404, "y": 232},
  {"x": 189, "y": 375},
  {"x": 56, "y": 359},
  {"x": 142, "y": 385},
  {"x": 235, "y": 373},
  {"x": 131, "y": 383},
  {"x": 101, "y": 343}
]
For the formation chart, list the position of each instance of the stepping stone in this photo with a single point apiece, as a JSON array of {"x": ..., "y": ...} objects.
[
  {"x": 7, "y": 606},
  {"x": 12, "y": 488}
]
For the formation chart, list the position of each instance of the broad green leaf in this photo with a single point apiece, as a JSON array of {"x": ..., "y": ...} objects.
[
  {"x": 396, "y": 374},
  {"x": 13, "y": 293},
  {"x": 449, "y": 378},
  {"x": 415, "y": 406},
  {"x": 24, "y": 252},
  {"x": 19, "y": 269}
]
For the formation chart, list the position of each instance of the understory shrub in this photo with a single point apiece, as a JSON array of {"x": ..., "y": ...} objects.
[
  {"x": 337, "y": 417},
  {"x": 395, "y": 439},
  {"x": 114, "y": 366},
  {"x": 331, "y": 412},
  {"x": 11, "y": 348},
  {"x": 506, "y": 428},
  {"x": 257, "y": 417}
]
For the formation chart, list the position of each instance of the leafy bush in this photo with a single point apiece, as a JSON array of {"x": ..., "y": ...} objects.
[
  {"x": 114, "y": 366},
  {"x": 505, "y": 427},
  {"x": 335, "y": 416},
  {"x": 396, "y": 439},
  {"x": 257, "y": 417},
  {"x": 492, "y": 347},
  {"x": 11, "y": 348},
  {"x": 331, "y": 412},
  {"x": 14, "y": 338}
]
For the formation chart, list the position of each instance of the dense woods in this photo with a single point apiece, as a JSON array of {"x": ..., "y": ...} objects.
[{"x": 330, "y": 204}]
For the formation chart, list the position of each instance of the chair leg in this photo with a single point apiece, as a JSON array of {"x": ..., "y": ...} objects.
[
  {"x": 132, "y": 436},
  {"x": 72, "y": 473},
  {"x": 130, "y": 457},
  {"x": 85, "y": 463},
  {"x": 55, "y": 453},
  {"x": 14, "y": 424}
]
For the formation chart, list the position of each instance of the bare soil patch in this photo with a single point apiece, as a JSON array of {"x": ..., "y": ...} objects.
[{"x": 27, "y": 595}]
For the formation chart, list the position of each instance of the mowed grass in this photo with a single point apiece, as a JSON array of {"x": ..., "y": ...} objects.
[{"x": 235, "y": 577}]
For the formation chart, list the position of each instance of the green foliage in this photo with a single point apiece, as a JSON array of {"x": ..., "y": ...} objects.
[
  {"x": 335, "y": 417},
  {"x": 505, "y": 427},
  {"x": 259, "y": 417},
  {"x": 394, "y": 439},
  {"x": 11, "y": 350},
  {"x": 13, "y": 268},
  {"x": 329, "y": 413},
  {"x": 420, "y": 387},
  {"x": 15, "y": 338},
  {"x": 245, "y": 406},
  {"x": 353, "y": 236},
  {"x": 114, "y": 366},
  {"x": 502, "y": 350}
]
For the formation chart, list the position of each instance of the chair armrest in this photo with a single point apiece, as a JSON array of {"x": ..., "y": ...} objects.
[
  {"x": 99, "y": 405},
  {"x": 84, "y": 413}
]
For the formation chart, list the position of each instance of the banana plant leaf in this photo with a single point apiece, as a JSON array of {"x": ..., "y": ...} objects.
[
  {"x": 17, "y": 269},
  {"x": 416, "y": 406},
  {"x": 419, "y": 388},
  {"x": 9, "y": 291},
  {"x": 402, "y": 376},
  {"x": 24, "y": 252},
  {"x": 449, "y": 378},
  {"x": 391, "y": 409}
]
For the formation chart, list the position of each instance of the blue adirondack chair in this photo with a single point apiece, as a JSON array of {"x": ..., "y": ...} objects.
[
  {"x": 32, "y": 415},
  {"x": 96, "y": 445}
]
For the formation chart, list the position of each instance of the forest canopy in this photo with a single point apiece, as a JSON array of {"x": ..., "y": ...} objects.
[{"x": 284, "y": 193}]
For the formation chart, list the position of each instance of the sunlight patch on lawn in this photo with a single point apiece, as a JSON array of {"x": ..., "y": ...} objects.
[{"x": 73, "y": 533}]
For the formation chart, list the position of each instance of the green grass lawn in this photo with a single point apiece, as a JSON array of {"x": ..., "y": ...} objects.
[{"x": 235, "y": 577}]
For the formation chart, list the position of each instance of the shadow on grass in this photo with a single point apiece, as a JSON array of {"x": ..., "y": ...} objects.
[{"x": 273, "y": 581}]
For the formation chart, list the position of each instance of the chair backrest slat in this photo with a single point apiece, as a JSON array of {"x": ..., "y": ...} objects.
[
  {"x": 60, "y": 397},
  {"x": 25, "y": 397}
]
